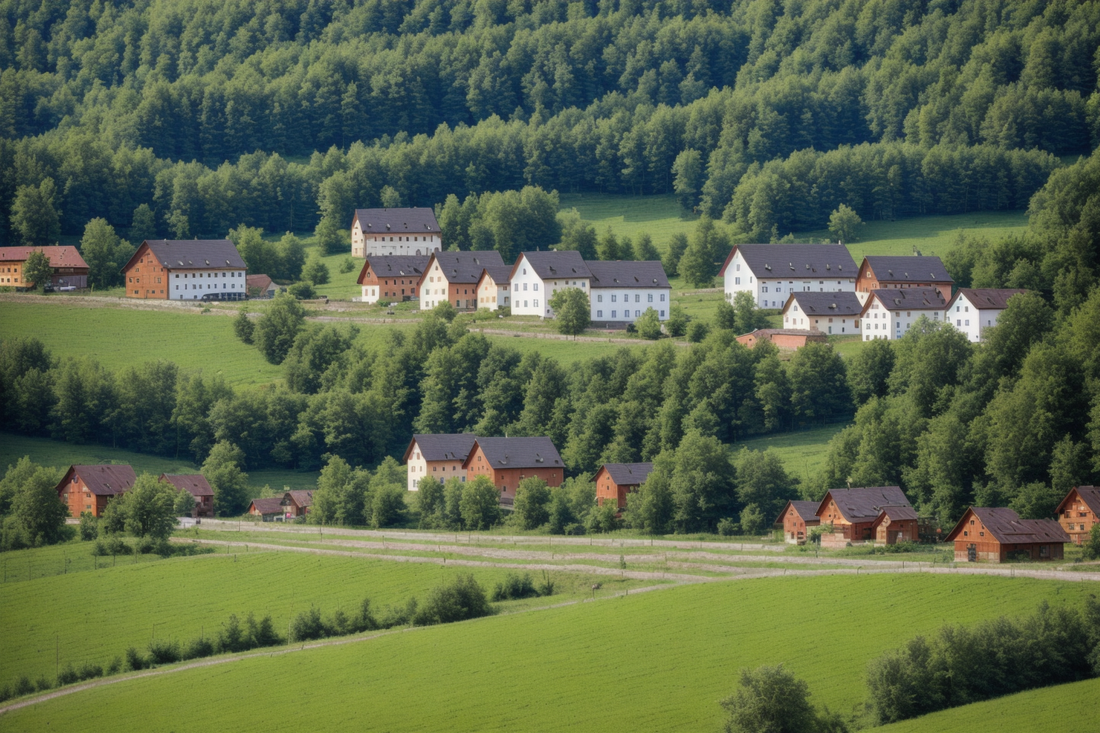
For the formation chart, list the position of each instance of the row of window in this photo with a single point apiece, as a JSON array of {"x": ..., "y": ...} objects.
[
  {"x": 626, "y": 314},
  {"x": 626, "y": 297},
  {"x": 402, "y": 239}
]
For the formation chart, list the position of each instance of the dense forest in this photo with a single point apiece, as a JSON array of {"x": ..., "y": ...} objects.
[{"x": 287, "y": 114}]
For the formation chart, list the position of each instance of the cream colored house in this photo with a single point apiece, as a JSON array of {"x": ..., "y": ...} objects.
[
  {"x": 395, "y": 232},
  {"x": 829, "y": 313},
  {"x": 493, "y": 290},
  {"x": 438, "y": 456}
]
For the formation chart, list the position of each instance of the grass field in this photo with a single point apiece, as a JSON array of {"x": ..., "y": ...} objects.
[
  {"x": 630, "y": 216},
  {"x": 803, "y": 453},
  {"x": 654, "y": 662}
]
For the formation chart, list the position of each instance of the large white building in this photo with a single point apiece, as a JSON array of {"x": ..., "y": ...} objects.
[
  {"x": 771, "y": 272},
  {"x": 537, "y": 275},
  {"x": 186, "y": 269},
  {"x": 829, "y": 313},
  {"x": 889, "y": 314},
  {"x": 395, "y": 232},
  {"x": 972, "y": 310},
  {"x": 620, "y": 292}
]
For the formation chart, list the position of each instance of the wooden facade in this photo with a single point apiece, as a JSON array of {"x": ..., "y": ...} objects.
[
  {"x": 796, "y": 519},
  {"x": 507, "y": 461},
  {"x": 896, "y": 524},
  {"x": 890, "y": 272},
  {"x": 1079, "y": 512},
  {"x": 199, "y": 488},
  {"x": 68, "y": 268},
  {"x": 615, "y": 480},
  {"x": 988, "y": 534},
  {"x": 268, "y": 509},
  {"x": 296, "y": 503},
  {"x": 852, "y": 513},
  {"x": 91, "y": 488}
]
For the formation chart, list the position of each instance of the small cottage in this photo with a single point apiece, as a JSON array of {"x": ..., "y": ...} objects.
[
  {"x": 196, "y": 485},
  {"x": 852, "y": 512},
  {"x": 269, "y": 509},
  {"x": 437, "y": 455},
  {"x": 1079, "y": 512},
  {"x": 997, "y": 534},
  {"x": 297, "y": 503},
  {"x": 796, "y": 519},
  {"x": 615, "y": 480},
  {"x": 507, "y": 461},
  {"x": 895, "y": 524}
]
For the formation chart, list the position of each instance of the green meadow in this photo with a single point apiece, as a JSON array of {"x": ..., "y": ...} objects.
[
  {"x": 656, "y": 661},
  {"x": 803, "y": 452}
]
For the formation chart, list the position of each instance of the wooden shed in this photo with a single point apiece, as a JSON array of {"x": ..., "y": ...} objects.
[
  {"x": 296, "y": 503},
  {"x": 615, "y": 480},
  {"x": 91, "y": 488},
  {"x": 896, "y": 524},
  {"x": 997, "y": 534},
  {"x": 796, "y": 519},
  {"x": 268, "y": 509},
  {"x": 1079, "y": 511},
  {"x": 852, "y": 512},
  {"x": 196, "y": 485}
]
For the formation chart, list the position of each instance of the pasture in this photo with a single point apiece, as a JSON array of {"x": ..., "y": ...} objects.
[
  {"x": 803, "y": 452},
  {"x": 654, "y": 661}
]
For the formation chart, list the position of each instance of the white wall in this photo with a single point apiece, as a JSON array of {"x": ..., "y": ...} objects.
[
  {"x": 771, "y": 291},
  {"x": 628, "y": 304},
  {"x": 971, "y": 321},
  {"x": 433, "y": 288},
  {"x": 193, "y": 284},
  {"x": 392, "y": 243},
  {"x": 836, "y": 325},
  {"x": 418, "y": 468},
  {"x": 879, "y": 323},
  {"x": 531, "y": 296}
]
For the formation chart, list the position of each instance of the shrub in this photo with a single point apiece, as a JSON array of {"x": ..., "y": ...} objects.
[
  {"x": 115, "y": 666},
  {"x": 231, "y": 637},
  {"x": 164, "y": 651},
  {"x": 649, "y": 325},
  {"x": 399, "y": 615},
  {"x": 364, "y": 619},
  {"x": 546, "y": 588},
  {"x": 67, "y": 676},
  {"x": 261, "y": 633},
  {"x": 243, "y": 326},
  {"x": 697, "y": 331},
  {"x": 347, "y": 265},
  {"x": 770, "y": 700},
  {"x": 302, "y": 290},
  {"x": 89, "y": 527},
  {"x": 603, "y": 518},
  {"x": 110, "y": 546},
  {"x": 307, "y": 626},
  {"x": 22, "y": 687},
  {"x": 462, "y": 599},
  {"x": 134, "y": 660},
  {"x": 728, "y": 527},
  {"x": 514, "y": 587},
  {"x": 678, "y": 322},
  {"x": 145, "y": 546},
  {"x": 89, "y": 670},
  {"x": 1091, "y": 547},
  {"x": 5, "y": 691},
  {"x": 43, "y": 684},
  {"x": 198, "y": 648}
]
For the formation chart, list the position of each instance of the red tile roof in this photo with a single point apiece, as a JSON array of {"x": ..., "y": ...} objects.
[{"x": 59, "y": 255}]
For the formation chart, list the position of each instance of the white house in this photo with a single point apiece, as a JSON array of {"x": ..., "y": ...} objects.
[
  {"x": 186, "y": 269},
  {"x": 830, "y": 313},
  {"x": 454, "y": 276},
  {"x": 622, "y": 291},
  {"x": 537, "y": 275},
  {"x": 395, "y": 232},
  {"x": 493, "y": 290},
  {"x": 438, "y": 456},
  {"x": 973, "y": 310},
  {"x": 391, "y": 278},
  {"x": 771, "y": 272},
  {"x": 889, "y": 314}
]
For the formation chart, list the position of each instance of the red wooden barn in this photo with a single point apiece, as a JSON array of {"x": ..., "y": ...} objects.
[
  {"x": 267, "y": 509},
  {"x": 90, "y": 488},
  {"x": 296, "y": 503},
  {"x": 795, "y": 518},
  {"x": 507, "y": 461},
  {"x": 1079, "y": 511},
  {"x": 998, "y": 534},
  {"x": 615, "y": 480},
  {"x": 852, "y": 512},
  {"x": 197, "y": 486},
  {"x": 895, "y": 524}
]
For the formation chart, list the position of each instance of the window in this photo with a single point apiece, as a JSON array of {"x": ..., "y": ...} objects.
[
  {"x": 613, "y": 313},
  {"x": 614, "y": 298},
  {"x": 637, "y": 313},
  {"x": 662, "y": 297},
  {"x": 535, "y": 286},
  {"x": 525, "y": 286},
  {"x": 736, "y": 281},
  {"x": 638, "y": 298},
  {"x": 536, "y": 303},
  {"x": 599, "y": 298},
  {"x": 650, "y": 298},
  {"x": 599, "y": 314}
]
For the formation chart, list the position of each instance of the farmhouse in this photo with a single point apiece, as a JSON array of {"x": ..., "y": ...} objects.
[
  {"x": 69, "y": 268},
  {"x": 197, "y": 486},
  {"x": 622, "y": 291},
  {"x": 830, "y": 313},
  {"x": 881, "y": 273},
  {"x": 266, "y": 509},
  {"x": 973, "y": 310},
  {"x": 507, "y": 461},
  {"x": 615, "y": 480},
  {"x": 186, "y": 269},
  {"x": 795, "y": 519},
  {"x": 296, "y": 503},
  {"x": 852, "y": 512},
  {"x": 493, "y": 289},
  {"x": 998, "y": 534},
  {"x": 392, "y": 278},
  {"x": 453, "y": 277},
  {"x": 784, "y": 338},
  {"x": 889, "y": 314},
  {"x": 395, "y": 232},
  {"x": 1079, "y": 512},
  {"x": 91, "y": 488},
  {"x": 438, "y": 456},
  {"x": 259, "y": 286},
  {"x": 770, "y": 272},
  {"x": 895, "y": 524},
  {"x": 536, "y": 275}
]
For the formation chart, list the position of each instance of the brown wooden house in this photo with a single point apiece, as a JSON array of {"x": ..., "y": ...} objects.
[
  {"x": 68, "y": 268},
  {"x": 615, "y": 480},
  {"x": 197, "y": 486},
  {"x": 296, "y": 503},
  {"x": 90, "y": 488},
  {"x": 852, "y": 512},
  {"x": 998, "y": 534},
  {"x": 507, "y": 461},
  {"x": 268, "y": 509},
  {"x": 796, "y": 519},
  {"x": 896, "y": 524},
  {"x": 1079, "y": 511}
]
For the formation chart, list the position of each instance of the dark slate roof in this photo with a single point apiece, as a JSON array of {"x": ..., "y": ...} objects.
[
  {"x": 1089, "y": 494},
  {"x": 104, "y": 480},
  {"x": 987, "y": 298},
  {"x": 908, "y": 299},
  {"x": 60, "y": 255},
  {"x": 629, "y": 474},
  {"x": 273, "y": 505},
  {"x": 442, "y": 447},
  {"x": 806, "y": 509},
  {"x": 390, "y": 221},
  {"x": 795, "y": 260},
  {"x": 908, "y": 269},
  {"x": 628, "y": 274},
  {"x": 1007, "y": 528},
  {"x": 465, "y": 267},
  {"x": 864, "y": 504},
  {"x": 189, "y": 254},
  {"x": 193, "y": 483},
  {"x": 500, "y": 275},
  {"x": 395, "y": 266},
  {"x": 825, "y": 304},
  {"x": 554, "y": 265},
  {"x": 519, "y": 452},
  {"x": 301, "y": 497},
  {"x": 899, "y": 512}
]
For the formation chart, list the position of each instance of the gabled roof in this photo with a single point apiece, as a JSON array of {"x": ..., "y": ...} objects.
[
  {"x": 906, "y": 269},
  {"x": 628, "y": 274},
  {"x": 393, "y": 221},
  {"x": 1007, "y": 528},
  {"x": 1089, "y": 494},
  {"x": 907, "y": 299},
  {"x": 554, "y": 265},
  {"x": 795, "y": 260},
  {"x": 464, "y": 267},
  {"x": 301, "y": 497},
  {"x": 825, "y": 304},
  {"x": 193, "y": 483},
  {"x": 58, "y": 255},
  {"x": 863, "y": 504},
  {"x": 441, "y": 447},
  {"x": 104, "y": 479},
  {"x": 499, "y": 275},
  {"x": 395, "y": 266},
  {"x": 895, "y": 514},
  {"x": 191, "y": 254},
  {"x": 517, "y": 453},
  {"x": 807, "y": 510},
  {"x": 628, "y": 474},
  {"x": 261, "y": 282},
  {"x": 986, "y": 298},
  {"x": 273, "y": 505}
]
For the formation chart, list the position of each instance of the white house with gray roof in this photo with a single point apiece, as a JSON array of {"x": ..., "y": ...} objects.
[
  {"x": 829, "y": 313},
  {"x": 889, "y": 314},
  {"x": 620, "y": 292},
  {"x": 186, "y": 269},
  {"x": 972, "y": 310},
  {"x": 538, "y": 275},
  {"x": 771, "y": 272},
  {"x": 395, "y": 232}
]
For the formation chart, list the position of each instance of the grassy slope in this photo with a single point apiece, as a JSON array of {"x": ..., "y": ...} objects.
[
  {"x": 99, "y": 613},
  {"x": 803, "y": 453},
  {"x": 1073, "y": 708},
  {"x": 657, "y": 661}
]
